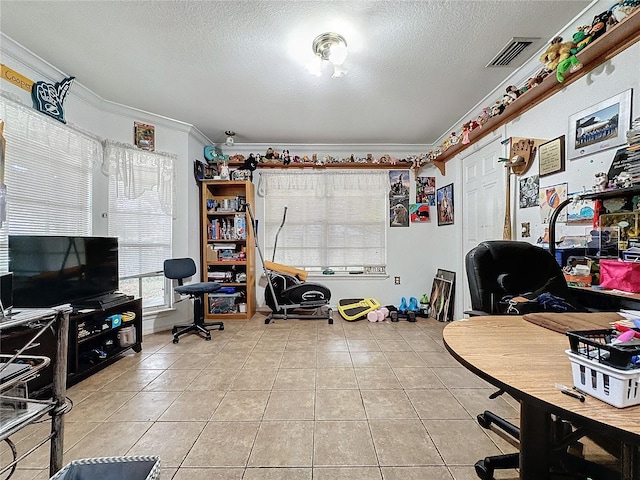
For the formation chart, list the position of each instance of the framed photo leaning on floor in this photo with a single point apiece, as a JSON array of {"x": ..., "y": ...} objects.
[{"x": 440, "y": 300}]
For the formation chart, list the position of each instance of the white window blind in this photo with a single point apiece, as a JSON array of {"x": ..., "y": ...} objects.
[
  {"x": 335, "y": 219},
  {"x": 47, "y": 173},
  {"x": 141, "y": 209}
]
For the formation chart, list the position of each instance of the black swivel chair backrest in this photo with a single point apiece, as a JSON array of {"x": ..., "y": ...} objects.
[
  {"x": 179, "y": 269},
  {"x": 498, "y": 268}
]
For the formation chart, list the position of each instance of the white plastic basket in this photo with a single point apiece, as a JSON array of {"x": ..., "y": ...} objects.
[
  {"x": 142, "y": 467},
  {"x": 620, "y": 388}
]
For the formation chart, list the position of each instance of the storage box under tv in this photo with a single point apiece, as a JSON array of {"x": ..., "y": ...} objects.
[{"x": 603, "y": 370}]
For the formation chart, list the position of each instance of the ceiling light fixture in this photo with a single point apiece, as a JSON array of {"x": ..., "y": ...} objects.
[
  {"x": 330, "y": 47},
  {"x": 229, "y": 141}
]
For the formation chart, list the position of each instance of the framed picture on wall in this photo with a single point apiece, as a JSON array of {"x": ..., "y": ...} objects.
[
  {"x": 600, "y": 127},
  {"x": 551, "y": 157},
  {"x": 444, "y": 199},
  {"x": 144, "y": 136}
]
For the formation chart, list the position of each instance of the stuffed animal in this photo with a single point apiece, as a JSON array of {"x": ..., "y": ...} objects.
[
  {"x": 536, "y": 80},
  {"x": 599, "y": 25},
  {"x": 623, "y": 9},
  {"x": 270, "y": 154},
  {"x": 497, "y": 108},
  {"x": 286, "y": 157},
  {"x": 467, "y": 128},
  {"x": 570, "y": 64},
  {"x": 484, "y": 116},
  {"x": 513, "y": 92},
  {"x": 556, "y": 52},
  {"x": 581, "y": 38}
]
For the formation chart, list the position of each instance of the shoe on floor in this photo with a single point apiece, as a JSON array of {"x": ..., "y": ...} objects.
[
  {"x": 413, "y": 304},
  {"x": 403, "y": 306}
]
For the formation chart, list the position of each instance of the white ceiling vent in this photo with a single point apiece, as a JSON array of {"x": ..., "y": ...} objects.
[{"x": 516, "y": 45}]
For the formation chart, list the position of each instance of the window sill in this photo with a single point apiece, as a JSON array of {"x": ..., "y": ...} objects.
[
  {"x": 345, "y": 275},
  {"x": 317, "y": 277}
]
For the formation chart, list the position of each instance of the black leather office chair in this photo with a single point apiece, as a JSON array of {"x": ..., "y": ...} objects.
[
  {"x": 501, "y": 269},
  {"x": 180, "y": 269}
]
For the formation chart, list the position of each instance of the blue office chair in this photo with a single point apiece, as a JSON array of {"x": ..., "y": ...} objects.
[{"x": 180, "y": 269}]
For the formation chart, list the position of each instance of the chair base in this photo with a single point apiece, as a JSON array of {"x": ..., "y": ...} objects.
[
  {"x": 486, "y": 467},
  {"x": 199, "y": 328}
]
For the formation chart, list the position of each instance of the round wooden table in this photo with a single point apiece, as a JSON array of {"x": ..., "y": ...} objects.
[{"x": 527, "y": 360}]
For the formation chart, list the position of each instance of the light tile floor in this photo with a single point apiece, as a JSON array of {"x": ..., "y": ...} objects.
[{"x": 293, "y": 400}]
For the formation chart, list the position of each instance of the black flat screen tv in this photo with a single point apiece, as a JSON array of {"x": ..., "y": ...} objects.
[{"x": 56, "y": 270}]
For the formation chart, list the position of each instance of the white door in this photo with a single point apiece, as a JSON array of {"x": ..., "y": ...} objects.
[{"x": 483, "y": 200}]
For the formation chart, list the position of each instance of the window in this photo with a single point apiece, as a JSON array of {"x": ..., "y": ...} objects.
[
  {"x": 334, "y": 219},
  {"x": 141, "y": 209},
  {"x": 48, "y": 174}
]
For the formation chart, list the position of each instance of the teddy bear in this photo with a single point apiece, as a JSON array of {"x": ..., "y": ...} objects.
[{"x": 556, "y": 52}]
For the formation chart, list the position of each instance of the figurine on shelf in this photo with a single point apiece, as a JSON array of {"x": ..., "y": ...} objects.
[
  {"x": 224, "y": 171},
  {"x": 286, "y": 157},
  {"x": 511, "y": 95},
  {"x": 623, "y": 180},
  {"x": 484, "y": 116},
  {"x": 601, "y": 182},
  {"x": 269, "y": 155}
]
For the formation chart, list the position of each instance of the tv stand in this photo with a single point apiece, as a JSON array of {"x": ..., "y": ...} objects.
[
  {"x": 98, "y": 337},
  {"x": 95, "y": 340},
  {"x": 102, "y": 302}
]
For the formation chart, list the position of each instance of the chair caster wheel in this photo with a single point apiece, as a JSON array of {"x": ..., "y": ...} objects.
[
  {"x": 221, "y": 327},
  {"x": 483, "y": 421},
  {"x": 175, "y": 340},
  {"x": 482, "y": 471},
  {"x": 207, "y": 338}
]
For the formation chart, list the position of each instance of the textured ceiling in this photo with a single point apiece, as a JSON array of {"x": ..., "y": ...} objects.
[{"x": 415, "y": 68}]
